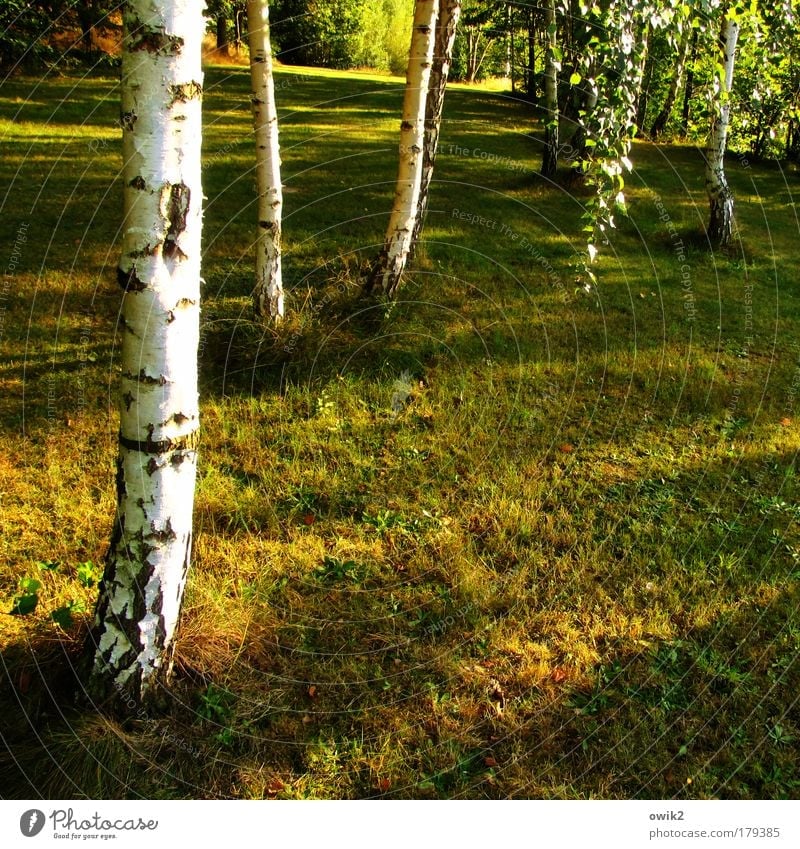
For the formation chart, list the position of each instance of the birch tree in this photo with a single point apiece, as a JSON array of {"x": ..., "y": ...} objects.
[
  {"x": 148, "y": 558},
  {"x": 720, "y": 197},
  {"x": 391, "y": 262},
  {"x": 268, "y": 293},
  {"x": 447, "y": 23},
  {"x": 552, "y": 66}
]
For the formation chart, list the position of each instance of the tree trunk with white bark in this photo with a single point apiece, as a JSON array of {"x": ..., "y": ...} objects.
[
  {"x": 720, "y": 197},
  {"x": 128, "y": 650},
  {"x": 268, "y": 293},
  {"x": 392, "y": 260},
  {"x": 551, "y": 68},
  {"x": 447, "y": 22}
]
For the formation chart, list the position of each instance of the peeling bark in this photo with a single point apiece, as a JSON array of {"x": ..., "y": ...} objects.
[
  {"x": 720, "y": 197},
  {"x": 447, "y": 22},
  {"x": 391, "y": 262},
  {"x": 127, "y": 653},
  {"x": 268, "y": 293}
]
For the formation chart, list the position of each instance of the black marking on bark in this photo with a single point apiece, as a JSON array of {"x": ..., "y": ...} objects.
[
  {"x": 153, "y": 41},
  {"x": 128, "y": 280},
  {"x": 138, "y": 183},
  {"x": 142, "y": 377},
  {"x": 187, "y": 442},
  {"x": 266, "y": 225},
  {"x": 127, "y": 120},
  {"x": 170, "y": 316},
  {"x": 128, "y": 399},
  {"x": 185, "y": 302},
  {"x": 165, "y": 534},
  {"x": 177, "y": 210},
  {"x": 180, "y": 418},
  {"x": 256, "y": 101},
  {"x": 184, "y": 92},
  {"x": 147, "y": 250},
  {"x": 406, "y": 125},
  {"x": 152, "y": 466}
]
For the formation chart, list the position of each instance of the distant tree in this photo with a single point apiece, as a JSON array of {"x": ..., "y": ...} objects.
[
  {"x": 481, "y": 30},
  {"x": 552, "y": 66},
  {"x": 268, "y": 292},
  {"x": 688, "y": 89},
  {"x": 318, "y": 32},
  {"x": 128, "y": 649},
  {"x": 676, "y": 81},
  {"x": 23, "y": 25},
  {"x": 391, "y": 262}
]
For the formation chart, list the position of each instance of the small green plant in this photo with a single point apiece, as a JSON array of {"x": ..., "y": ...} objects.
[
  {"x": 215, "y": 704},
  {"x": 62, "y": 616},
  {"x": 27, "y": 599},
  {"x": 88, "y": 574},
  {"x": 333, "y": 569},
  {"x": 780, "y": 736}
]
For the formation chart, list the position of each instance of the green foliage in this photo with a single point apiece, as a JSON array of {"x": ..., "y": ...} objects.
[
  {"x": 343, "y": 33},
  {"x": 23, "y": 25},
  {"x": 27, "y": 598}
]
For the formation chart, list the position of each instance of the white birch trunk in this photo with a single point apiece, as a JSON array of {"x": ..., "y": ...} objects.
[
  {"x": 148, "y": 559},
  {"x": 268, "y": 294},
  {"x": 551, "y": 68},
  {"x": 720, "y": 197},
  {"x": 392, "y": 261},
  {"x": 447, "y": 22}
]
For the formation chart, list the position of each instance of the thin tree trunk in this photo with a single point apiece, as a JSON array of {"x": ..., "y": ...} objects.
[
  {"x": 578, "y": 141},
  {"x": 644, "y": 75},
  {"x": 688, "y": 90},
  {"x": 268, "y": 293},
  {"x": 720, "y": 197},
  {"x": 551, "y": 69},
  {"x": 530, "y": 84},
  {"x": 222, "y": 32},
  {"x": 512, "y": 53},
  {"x": 660, "y": 123},
  {"x": 392, "y": 260},
  {"x": 447, "y": 22},
  {"x": 148, "y": 559}
]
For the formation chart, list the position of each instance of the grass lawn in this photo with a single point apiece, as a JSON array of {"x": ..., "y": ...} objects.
[{"x": 507, "y": 538}]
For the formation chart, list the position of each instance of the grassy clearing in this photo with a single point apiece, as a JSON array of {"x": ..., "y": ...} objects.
[{"x": 504, "y": 539}]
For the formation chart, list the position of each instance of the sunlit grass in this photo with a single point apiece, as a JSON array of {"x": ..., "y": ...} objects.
[{"x": 506, "y": 538}]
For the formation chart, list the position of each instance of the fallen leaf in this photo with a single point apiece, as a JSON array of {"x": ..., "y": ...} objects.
[
  {"x": 309, "y": 519},
  {"x": 490, "y": 762},
  {"x": 275, "y": 786},
  {"x": 384, "y": 784},
  {"x": 566, "y": 448},
  {"x": 785, "y": 422},
  {"x": 312, "y": 691},
  {"x": 558, "y": 675}
]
